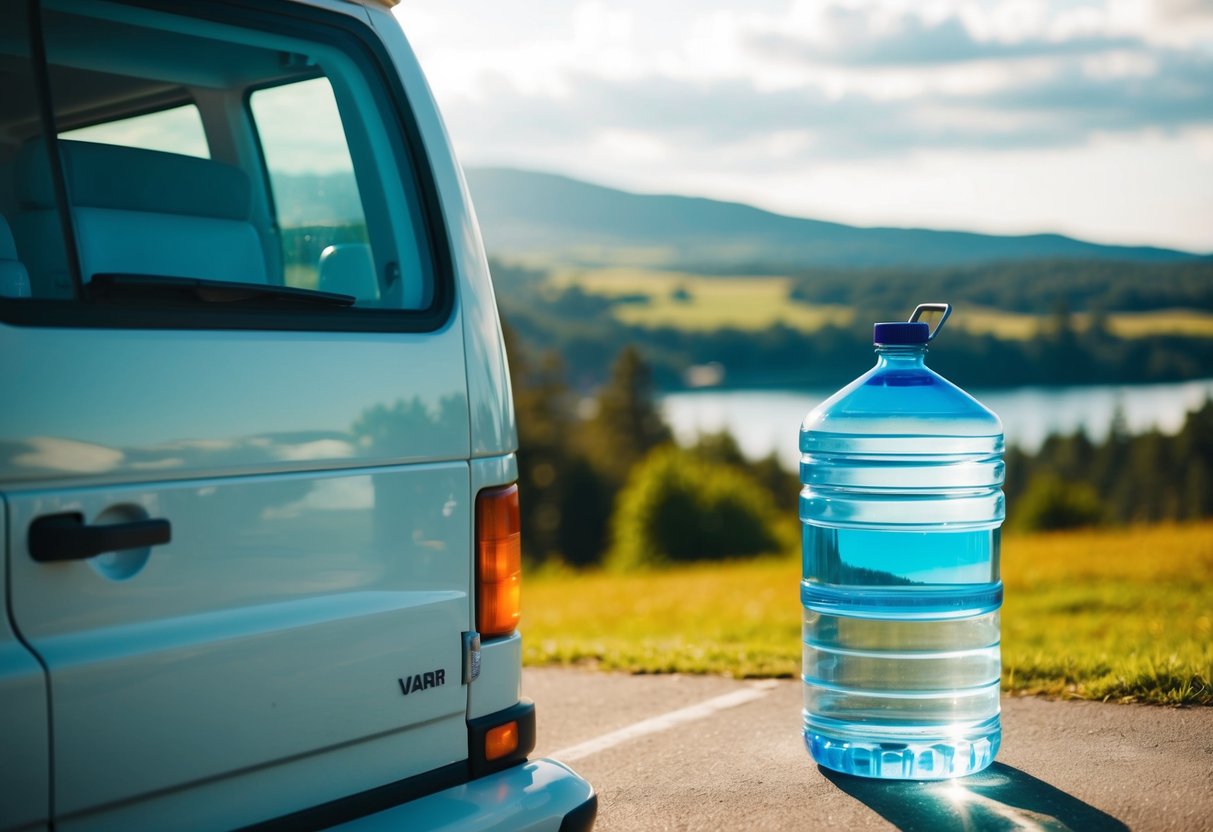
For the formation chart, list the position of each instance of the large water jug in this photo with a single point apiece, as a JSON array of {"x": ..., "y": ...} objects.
[{"x": 901, "y": 506}]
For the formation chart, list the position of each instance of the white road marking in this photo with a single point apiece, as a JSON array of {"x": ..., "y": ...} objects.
[{"x": 664, "y": 722}]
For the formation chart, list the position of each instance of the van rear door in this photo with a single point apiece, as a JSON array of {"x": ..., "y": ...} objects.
[{"x": 237, "y": 477}]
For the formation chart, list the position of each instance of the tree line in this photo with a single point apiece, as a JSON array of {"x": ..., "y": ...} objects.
[
  {"x": 603, "y": 483},
  {"x": 581, "y": 327},
  {"x": 1092, "y": 285},
  {"x": 1145, "y": 478}
]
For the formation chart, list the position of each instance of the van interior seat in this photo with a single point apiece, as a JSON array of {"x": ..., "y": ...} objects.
[
  {"x": 14, "y": 279},
  {"x": 349, "y": 269},
  {"x": 139, "y": 212}
]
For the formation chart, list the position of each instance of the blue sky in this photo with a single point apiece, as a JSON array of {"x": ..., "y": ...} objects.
[{"x": 1090, "y": 118}]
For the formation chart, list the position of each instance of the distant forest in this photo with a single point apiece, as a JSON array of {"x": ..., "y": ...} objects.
[
  {"x": 1096, "y": 286},
  {"x": 1072, "y": 481},
  {"x": 580, "y": 327},
  {"x": 605, "y": 485}
]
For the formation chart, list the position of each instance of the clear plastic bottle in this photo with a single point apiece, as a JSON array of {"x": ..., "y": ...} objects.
[{"x": 901, "y": 506}]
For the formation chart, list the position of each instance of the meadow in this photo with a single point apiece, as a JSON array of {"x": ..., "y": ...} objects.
[
  {"x": 702, "y": 303},
  {"x": 1123, "y": 614},
  {"x": 694, "y": 302}
]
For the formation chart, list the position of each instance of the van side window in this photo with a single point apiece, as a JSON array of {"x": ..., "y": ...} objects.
[
  {"x": 175, "y": 130},
  {"x": 317, "y": 206},
  {"x": 219, "y": 172},
  {"x": 21, "y": 124}
]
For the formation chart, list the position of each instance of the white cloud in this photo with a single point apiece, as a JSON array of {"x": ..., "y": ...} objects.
[
  {"x": 320, "y": 449},
  {"x": 334, "y": 494},
  {"x": 717, "y": 99},
  {"x": 69, "y": 456},
  {"x": 1179, "y": 23},
  {"x": 1093, "y": 191}
]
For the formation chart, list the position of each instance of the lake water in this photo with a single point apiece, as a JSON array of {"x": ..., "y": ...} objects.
[{"x": 766, "y": 420}]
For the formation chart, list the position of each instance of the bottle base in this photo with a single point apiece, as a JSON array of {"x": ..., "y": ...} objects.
[{"x": 917, "y": 758}]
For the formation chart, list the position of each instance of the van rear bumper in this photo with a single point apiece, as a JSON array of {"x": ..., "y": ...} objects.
[{"x": 538, "y": 796}]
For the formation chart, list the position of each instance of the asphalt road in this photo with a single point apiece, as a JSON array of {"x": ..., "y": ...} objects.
[{"x": 687, "y": 752}]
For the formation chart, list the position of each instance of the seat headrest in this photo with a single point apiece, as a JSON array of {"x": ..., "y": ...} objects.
[{"x": 132, "y": 179}]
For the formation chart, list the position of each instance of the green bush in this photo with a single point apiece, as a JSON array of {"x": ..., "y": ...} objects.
[
  {"x": 1051, "y": 503},
  {"x": 678, "y": 507}
]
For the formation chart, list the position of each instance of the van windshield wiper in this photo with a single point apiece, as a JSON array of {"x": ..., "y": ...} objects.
[{"x": 158, "y": 289}]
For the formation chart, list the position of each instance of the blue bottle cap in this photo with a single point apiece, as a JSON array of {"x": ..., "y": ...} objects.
[{"x": 901, "y": 332}]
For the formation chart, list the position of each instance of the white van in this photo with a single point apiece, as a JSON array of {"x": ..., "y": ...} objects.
[{"x": 256, "y": 436}]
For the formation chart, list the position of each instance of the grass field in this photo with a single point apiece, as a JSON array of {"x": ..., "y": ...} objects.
[
  {"x": 757, "y": 302},
  {"x": 1119, "y": 615},
  {"x": 709, "y": 303},
  {"x": 1162, "y": 322},
  {"x": 1011, "y": 325}
]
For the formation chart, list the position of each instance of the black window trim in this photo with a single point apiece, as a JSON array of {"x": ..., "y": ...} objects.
[
  {"x": 46, "y": 114},
  {"x": 353, "y": 36}
]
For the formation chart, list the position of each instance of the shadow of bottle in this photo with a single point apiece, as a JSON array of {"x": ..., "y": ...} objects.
[{"x": 1001, "y": 797}]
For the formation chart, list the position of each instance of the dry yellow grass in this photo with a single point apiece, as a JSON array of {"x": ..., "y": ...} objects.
[
  {"x": 1021, "y": 326},
  {"x": 711, "y": 302},
  {"x": 1170, "y": 553},
  {"x": 1008, "y": 325},
  {"x": 1122, "y": 614},
  {"x": 757, "y": 302},
  {"x": 1162, "y": 322}
]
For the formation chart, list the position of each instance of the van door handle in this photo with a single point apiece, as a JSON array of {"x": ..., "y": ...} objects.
[{"x": 59, "y": 537}]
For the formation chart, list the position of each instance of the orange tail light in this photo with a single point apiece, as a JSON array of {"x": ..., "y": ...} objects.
[
  {"x": 498, "y": 561},
  {"x": 501, "y": 741}
]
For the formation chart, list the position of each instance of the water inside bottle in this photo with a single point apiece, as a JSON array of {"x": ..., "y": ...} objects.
[
  {"x": 901, "y": 650},
  {"x": 879, "y": 557}
]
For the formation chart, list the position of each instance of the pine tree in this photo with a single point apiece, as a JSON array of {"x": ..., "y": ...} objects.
[
  {"x": 544, "y": 421},
  {"x": 627, "y": 424}
]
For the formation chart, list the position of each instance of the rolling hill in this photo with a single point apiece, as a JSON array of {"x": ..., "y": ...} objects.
[{"x": 556, "y": 219}]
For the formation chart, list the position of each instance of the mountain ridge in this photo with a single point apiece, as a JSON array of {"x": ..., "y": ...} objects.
[{"x": 557, "y": 218}]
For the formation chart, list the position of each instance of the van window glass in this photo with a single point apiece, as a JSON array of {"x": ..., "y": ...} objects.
[
  {"x": 176, "y": 130},
  {"x": 205, "y": 147},
  {"x": 22, "y": 137},
  {"x": 316, "y": 199}
]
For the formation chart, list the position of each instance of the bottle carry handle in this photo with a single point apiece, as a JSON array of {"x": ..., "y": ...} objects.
[{"x": 944, "y": 310}]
